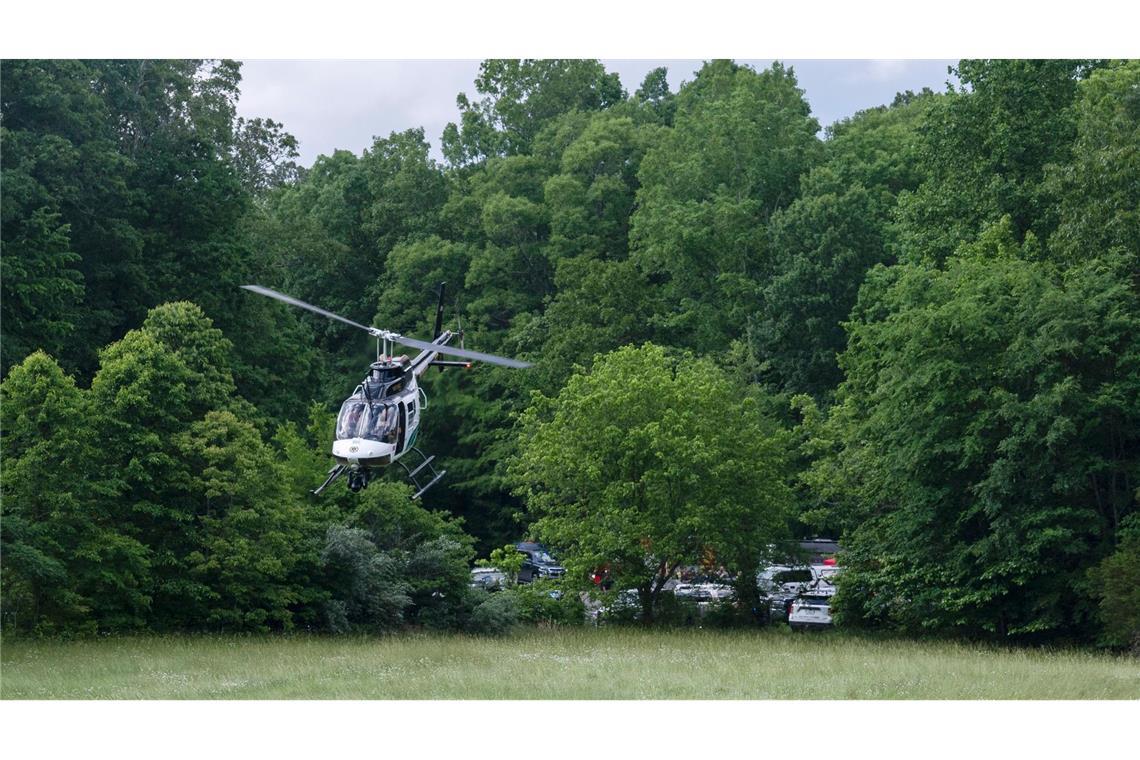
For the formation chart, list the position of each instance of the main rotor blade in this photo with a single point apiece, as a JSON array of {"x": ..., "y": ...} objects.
[
  {"x": 463, "y": 352},
  {"x": 410, "y": 342},
  {"x": 299, "y": 303}
]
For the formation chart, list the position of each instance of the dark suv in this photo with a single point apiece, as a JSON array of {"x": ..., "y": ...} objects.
[{"x": 538, "y": 563}]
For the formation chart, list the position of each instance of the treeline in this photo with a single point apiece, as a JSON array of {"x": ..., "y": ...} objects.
[{"x": 930, "y": 319}]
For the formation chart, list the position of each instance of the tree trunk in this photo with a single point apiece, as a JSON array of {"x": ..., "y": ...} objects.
[{"x": 646, "y": 594}]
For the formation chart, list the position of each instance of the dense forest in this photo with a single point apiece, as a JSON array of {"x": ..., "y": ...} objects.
[{"x": 917, "y": 330}]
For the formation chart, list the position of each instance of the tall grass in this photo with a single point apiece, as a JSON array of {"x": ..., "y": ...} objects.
[{"x": 554, "y": 664}]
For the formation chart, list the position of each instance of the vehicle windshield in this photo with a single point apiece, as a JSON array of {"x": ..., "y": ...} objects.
[
  {"x": 543, "y": 558},
  {"x": 793, "y": 576},
  {"x": 828, "y": 574},
  {"x": 360, "y": 419},
  {"x": 824, "y": 600}
]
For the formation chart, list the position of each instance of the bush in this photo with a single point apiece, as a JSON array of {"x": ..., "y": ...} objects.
[
  {"x": 495, "y": 615},
  {"x": 538, "y": 607},
  {"x": 438, "y": 574},
  {"x": 669, "y": 611},
  {"x": 1117, "y": 583},
  {"x": 367, "y": 586}
]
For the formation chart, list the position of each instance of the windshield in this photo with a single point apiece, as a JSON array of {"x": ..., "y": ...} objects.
[
  {"x": 542, "y": 558},
  {"x": 360, "y": 419},
  {"x": 793, "y": 576}
]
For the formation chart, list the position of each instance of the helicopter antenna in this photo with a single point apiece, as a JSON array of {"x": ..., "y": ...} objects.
[
  {"x": 439, "y": 313},
  {"x": 459, "y": 320}
]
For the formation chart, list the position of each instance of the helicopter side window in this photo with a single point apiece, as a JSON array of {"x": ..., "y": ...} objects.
[{"x": 381, "y": 423}]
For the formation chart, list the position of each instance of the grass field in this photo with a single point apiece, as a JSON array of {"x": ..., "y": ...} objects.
[{"x": 554, "y": 664}]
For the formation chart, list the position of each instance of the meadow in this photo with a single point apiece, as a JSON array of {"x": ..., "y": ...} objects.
[{"x": 555, "y": 664}]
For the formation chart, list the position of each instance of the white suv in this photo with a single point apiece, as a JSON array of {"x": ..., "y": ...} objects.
[{"x": 812, "y": 609}]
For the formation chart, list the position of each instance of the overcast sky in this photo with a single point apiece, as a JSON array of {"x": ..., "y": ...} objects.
[{"x": 329, "y": 104}]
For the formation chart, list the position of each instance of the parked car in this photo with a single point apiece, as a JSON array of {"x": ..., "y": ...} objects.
[
  {"x": 538, "y": 563},
  {"x": 704, "y": 591},
  {"x": 488, "y": 578},
  {"x": 625, "y": 605},
  {"x": 779, "y": 585},
  {"x": 810, "y": 610}
]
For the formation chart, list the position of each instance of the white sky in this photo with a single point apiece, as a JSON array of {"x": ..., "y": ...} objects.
[{"x": 336, "y": 104}]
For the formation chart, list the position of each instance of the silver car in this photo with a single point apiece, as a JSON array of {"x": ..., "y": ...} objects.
[{"x": 488, "y": 578}]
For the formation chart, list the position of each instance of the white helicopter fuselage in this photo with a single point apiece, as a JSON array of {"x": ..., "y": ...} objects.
[
  {"x": 361, "y": 451},
  {"x": 375, "y": 432}
]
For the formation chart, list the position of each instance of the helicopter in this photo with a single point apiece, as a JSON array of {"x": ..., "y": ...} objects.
[{"x": 377, "y": 425}]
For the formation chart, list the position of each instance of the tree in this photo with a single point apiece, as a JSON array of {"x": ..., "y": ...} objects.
[
  {"x": 1117, "y": 586},
  {"x": 599, "y": 294},
  {"x": 646, "y": 463},
  {"x": 40, "y": 284},
  {"x": 67, "y": 566},
  {"x": 151, "y": 387},
  {"x": 654, "y": 93},
  {"x": 407, "y": 289},
  {"x": 125, "y": 184},
  {"x": 823, "y": 243},
  {"x": 55, "y": 144},
  {"x": 881, "y": 148},
  {"x": 986, "y": 147},
  {"x": 739, "y": 143},
  {"x": 822, "y": 246},
  {"x": 522, "y": 96},
  {"x": 406, "y": 187},
  {"x": 984, "y": 439},
  {"x": 255, "y": 543},
  {"x": 369, "y": 591},
  {"x": 1099, "y": 190},
  {"x": 264, "y": 154}
]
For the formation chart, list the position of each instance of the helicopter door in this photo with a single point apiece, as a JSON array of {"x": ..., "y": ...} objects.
[{"x": 403, "y": 426}]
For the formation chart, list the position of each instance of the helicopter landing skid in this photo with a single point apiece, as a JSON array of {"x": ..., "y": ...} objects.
[
  {"x": 334, "y": 473},
  {"x": 427, "y": 462}
]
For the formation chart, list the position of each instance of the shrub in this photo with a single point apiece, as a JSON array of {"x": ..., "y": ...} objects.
[
  {"x": 1117, "y": 583},
  {"x": 368, "y": 589},
  {"x": 495, "y": 615},
  {"x": 537, "y": 606}
]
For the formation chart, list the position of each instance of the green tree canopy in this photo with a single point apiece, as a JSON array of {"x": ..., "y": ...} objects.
[
  {"x": 647, "y": 462},
  {"x": 522, "y": 96},
  {"x": 1099, "y": 190},
  {"x": 985, "y": 437},
  {"x": 739, "y": 143},
  {"x": 66, "y": 564},
  {"x": 986, "y": 148}
]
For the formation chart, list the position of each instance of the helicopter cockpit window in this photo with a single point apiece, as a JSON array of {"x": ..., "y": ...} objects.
[
  {"x": 348, "y": 421},
  {"x": 376, "y": 421}
]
